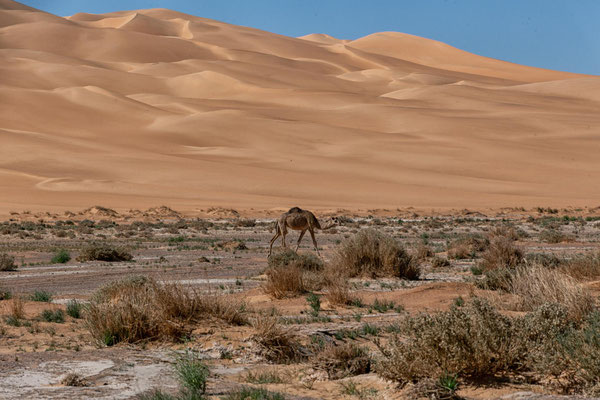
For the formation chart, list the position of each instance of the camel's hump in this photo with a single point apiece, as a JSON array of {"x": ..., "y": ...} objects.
[{"x": 295, "y": 210}]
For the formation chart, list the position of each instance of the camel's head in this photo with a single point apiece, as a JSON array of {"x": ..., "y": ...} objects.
[{"x": 331, "y": 222}]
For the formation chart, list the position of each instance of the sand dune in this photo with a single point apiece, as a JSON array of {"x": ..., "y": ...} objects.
[{"x": 138, "y": 108}]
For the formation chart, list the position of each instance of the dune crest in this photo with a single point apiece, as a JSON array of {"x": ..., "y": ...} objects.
[{"x": 133, "y": 109}]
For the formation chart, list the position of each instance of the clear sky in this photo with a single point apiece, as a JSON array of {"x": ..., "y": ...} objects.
[{"x": 556, "y": 34}]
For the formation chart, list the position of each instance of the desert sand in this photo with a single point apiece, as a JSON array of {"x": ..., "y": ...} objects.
[{"x": 135, "y": 109}]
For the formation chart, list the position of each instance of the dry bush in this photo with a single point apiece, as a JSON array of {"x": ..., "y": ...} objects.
[
  {"x": 536, "y": 285},
  {"x": 338, "y": 292},
  {"x": 439, "y": 262},
  {"x": 470, "y": 341},
  {"x": 7, "y": 262},
  {"x": 291, "y": 274},
  {"x": 583, "y": 267},
  {"x": 285, "y": 282},
  {"x": 373, "y": 254},
  {"x": 276, "y": 343},
  {"x": 423, "y": 251},
  {"x": 467, "y": 247},
  {"x": 554, "y": 236},
  {"x": 501, "y": 253},
  {"x": 557, "y": 349},
  {"x": 140, "y": 308},
  {"x": 17, "y": 309},
  {"x": 104, "y": 252},
  {"x": 475, "y": 341},
  {"x": 341, "y": 361}
]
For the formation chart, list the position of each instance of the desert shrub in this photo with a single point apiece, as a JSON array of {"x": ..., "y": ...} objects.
[
  {"x": 276, "y": 343},
  {"x": 17, "y": 308},
  {"x": 496, "y": 279},
  {"x": 250, "y": 393},
  {"x": 74, "y": 380},
  {"x": 263, "y": 377},
  {"x": 74, "y": 308},
  {"x": 557, "y": 348},
  {"x": 41, "y": 296},
  {"x": 341, "y": 361},
  {"x": 501, "y": 253},
  {"x": 423, "y": 251},
  {"x": 467, "y": 247},
  {"x": 290, "y": 274},
  {"x": 5, "y": 294},
  {"x": 374, "y": 254},
  {"x": 554, "y": 236},
  {"x": 536, "y": 285},
  {"x": 583, "y": 267},
  {"x": 285, "y": 282},
  {"x": 61, "y": 256},
  {"x": 104, "y": 252},
  {"x": 439, "y": 262},
  {"x": 142, "y": 309},
  {"x": 287, "y": 257},
  {"x": 474, "y": 341},
  {"x": 7, "y": 262},
  {"x": 57, "y": 316},
  {"x": 546, "y": 260},
  {"x": 470, "y": 341}
]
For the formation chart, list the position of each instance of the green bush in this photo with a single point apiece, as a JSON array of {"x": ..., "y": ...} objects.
[
  {"x": 57, "y": 316},
  {"x": 61, "y": 256},
  {"x": 41, "y": 296},
  {"x": 74, "y": 308}
]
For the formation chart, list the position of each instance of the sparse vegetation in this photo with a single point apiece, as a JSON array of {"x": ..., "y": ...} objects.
[{"x": 501, "y": 253}]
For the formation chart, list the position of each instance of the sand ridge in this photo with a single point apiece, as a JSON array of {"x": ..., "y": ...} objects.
[{"x": 134, "y": 109}]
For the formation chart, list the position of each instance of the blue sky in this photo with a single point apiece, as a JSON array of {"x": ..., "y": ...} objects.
[{"x": 555, "y": 34}]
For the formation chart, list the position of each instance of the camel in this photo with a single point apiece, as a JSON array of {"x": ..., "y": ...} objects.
[{"x": 299, "y": 220}]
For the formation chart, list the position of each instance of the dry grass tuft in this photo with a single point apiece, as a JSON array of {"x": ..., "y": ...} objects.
[
  {"x": 536, "y": 285},
  {"x": 501, "y": 253},
  {"x": 341, "y": 361},
  {"x": 291, "y": 274},
  {"x": 17, "y": 309},
  {"x": 373, "y": 254},
  {"x": 140, "y": 308},
  {"x": 276, "y": 343},
  {"x": 583, "y": 267},
  {"x": 467, "y": 247}
]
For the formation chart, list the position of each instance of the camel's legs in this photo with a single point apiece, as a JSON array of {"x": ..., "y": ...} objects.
[
  {"x": 277, "y": 234},
  {"x": 283, "y": 233},
  {"x": 312, "y": 234},
  {"x": 300, "y": 238}
]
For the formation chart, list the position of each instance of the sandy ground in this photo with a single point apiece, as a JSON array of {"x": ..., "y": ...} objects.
[
  {"x": 204, "y": 253},
  {"x": 147, "y": 107}
]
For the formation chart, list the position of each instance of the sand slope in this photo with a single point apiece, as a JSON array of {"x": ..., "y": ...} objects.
[{"x": 139, "y": 108}]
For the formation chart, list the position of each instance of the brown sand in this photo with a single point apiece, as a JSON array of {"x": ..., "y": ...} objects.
[{"x": 139, "y": 108}]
